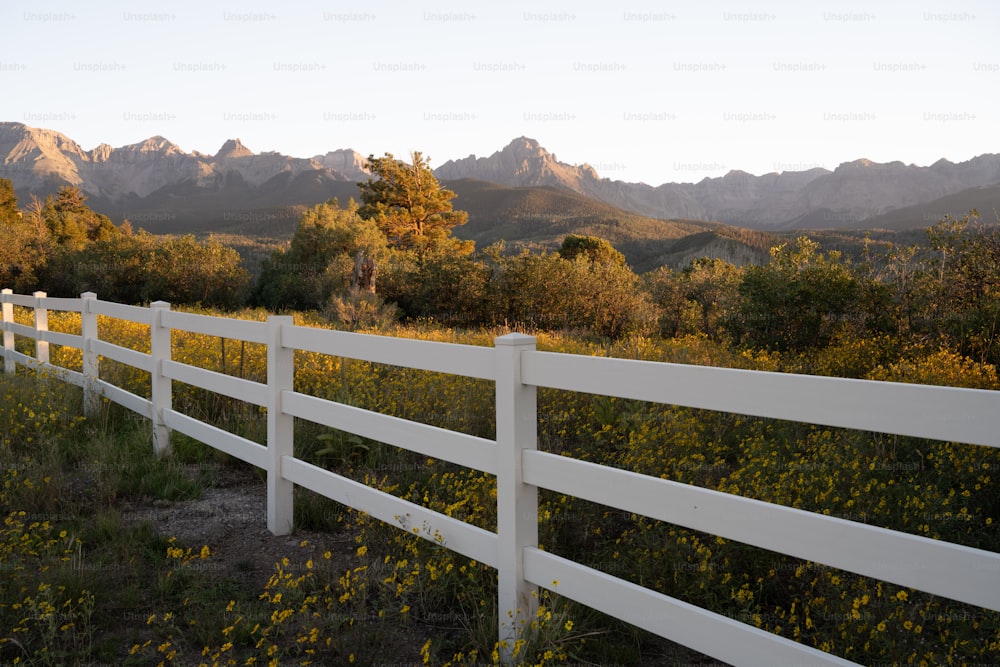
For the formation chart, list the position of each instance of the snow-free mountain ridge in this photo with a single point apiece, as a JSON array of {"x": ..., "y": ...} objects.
[
  {"x": 158, "y": 171},
  {"x": 853, "y": 192}
]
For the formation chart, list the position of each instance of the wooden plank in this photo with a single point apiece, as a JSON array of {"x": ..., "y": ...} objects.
[
  {"x": 467, "y": 360},
  {"x": 20, "y": 329},
  {"x": 7, "y": 312},
  {"x": 940, "y": 413},
  {"x": 125, "y": 355},
  {"x": 56, "y": 303},
  {"x": 21, "y": 358},
  {"x": 713, "y": 634},
  {"x": 24, "y": 300},
  {"x": 941, "y": 568},
  {"x": 220, "y": 383},
  {"x": 63, "y": 374},
  {"x": 159, "y": 386},
  {"x": 122, "y": 312},
  {"x": 517, "y": 501},
  {"x": 456, "y": 535},
  {"x": 127, "y": 399},
  {"x": 64, "y": 339},
  {"x": 67, "y": 375},
  {"x": 280, "y": 427},
  {"x": 217, "y": 438},
  {"x": 439, "y": 443},
  {"x": 223, "y": 327}
]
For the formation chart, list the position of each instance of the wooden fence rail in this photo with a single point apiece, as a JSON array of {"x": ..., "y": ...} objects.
[{"x": 961, "y": 415}]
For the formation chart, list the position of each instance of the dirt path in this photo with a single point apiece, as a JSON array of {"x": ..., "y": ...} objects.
[{"x": 231, "y": 518}]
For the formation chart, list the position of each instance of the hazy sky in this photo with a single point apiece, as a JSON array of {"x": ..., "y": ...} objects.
[{"x": 642, "y": 91}]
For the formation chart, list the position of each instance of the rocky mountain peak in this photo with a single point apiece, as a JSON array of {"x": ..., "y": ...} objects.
[
  {"x": 148, "y": 149},
  {"x": 345, "y": 161},
  {"x": 101, "y": 153},
  {"x": 33, "y": 154},
  {"x": 524, "y": 147},
  {"x": 232, "y": 149},
  {"x": 522, "y": 162},
  {"x": 21, "y": 140}
]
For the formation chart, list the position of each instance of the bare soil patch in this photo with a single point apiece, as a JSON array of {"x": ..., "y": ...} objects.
[{"x": 231, "y": 519}]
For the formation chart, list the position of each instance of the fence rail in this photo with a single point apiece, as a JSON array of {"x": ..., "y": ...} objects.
[{"x": 961, "y": 415}]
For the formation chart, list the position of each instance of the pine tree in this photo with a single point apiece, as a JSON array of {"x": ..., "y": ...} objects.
[
  {"x": 408, "y": 203},
  {"x": 9, "y": 213},
  {"x": 72, "y": 223}
]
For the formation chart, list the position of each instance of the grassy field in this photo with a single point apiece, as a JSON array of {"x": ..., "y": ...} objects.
[{"x": 76, "y": 569}]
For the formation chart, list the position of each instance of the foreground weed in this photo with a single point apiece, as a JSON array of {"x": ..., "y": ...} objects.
[{"x": 41, "y": 621}]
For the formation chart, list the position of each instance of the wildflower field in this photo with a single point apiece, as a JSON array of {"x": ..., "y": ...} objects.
[{"x": 72, "y": 570}]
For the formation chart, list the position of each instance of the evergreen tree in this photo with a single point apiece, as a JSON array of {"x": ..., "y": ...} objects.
[
  {"x": 9, "y": 214},
  {"x": 409, "y": 205},
  {"x": 71, "y": 223},
  {"x": 322, "y": 257},
  {"x": 25, "y": 246},
  {"x": 596, "y": 249}
]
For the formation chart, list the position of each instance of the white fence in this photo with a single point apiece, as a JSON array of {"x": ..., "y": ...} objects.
[{"x": 962, "y": 415}]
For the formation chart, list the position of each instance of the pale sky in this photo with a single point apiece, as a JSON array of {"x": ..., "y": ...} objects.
[{"x": 642, "y": 91}]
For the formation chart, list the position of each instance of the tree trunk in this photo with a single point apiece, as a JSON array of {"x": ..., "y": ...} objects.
[{"x": 364, "y": 273}]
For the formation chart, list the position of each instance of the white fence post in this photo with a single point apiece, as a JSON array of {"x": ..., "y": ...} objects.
[
  {"x": 41, "y": 325},
  {"x": 161, "y": 387},
  {"x": 91, "y": 369},
  {"x": 9, "y": 365},
  {"x": 517, "y": 502},
  {"x": 280, "y": 428}
]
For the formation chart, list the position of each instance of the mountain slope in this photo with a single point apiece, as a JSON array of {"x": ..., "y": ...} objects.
[
  {"x": 39, "y": 161},
  {"x": 984, "y": 199},
  {"x": 539, "y": 217},
  {"x": 32, "y": 157},
  {"x": 815, "y": 198}
]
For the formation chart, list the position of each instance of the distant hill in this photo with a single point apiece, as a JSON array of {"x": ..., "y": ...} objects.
[
  {"x": 984, "y": 199},
  {"x": 540, "y": 217},
  {"x": 228, "y": 204}
]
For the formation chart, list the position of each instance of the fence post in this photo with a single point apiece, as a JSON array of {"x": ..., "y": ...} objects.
[
  {"x": 91, "y": 369},
  {"x": 280, "y": 428},
  {"x": 41, "y": 326},
  {"x": 517, "y": 502},
  {"x": 8, "y": 336},
  {"x": 161, "y": 387}
]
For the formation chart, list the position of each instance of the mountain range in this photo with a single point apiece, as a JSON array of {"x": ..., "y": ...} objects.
[
  {"x": 155, "y": 181},
  {"x": 812, "y": 199}
]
